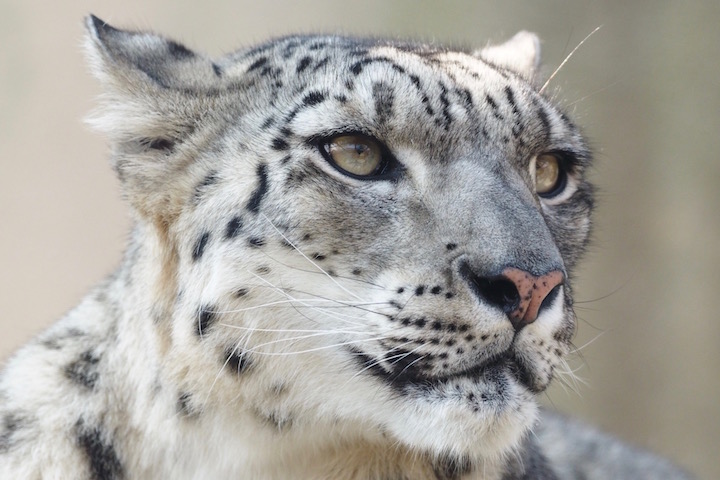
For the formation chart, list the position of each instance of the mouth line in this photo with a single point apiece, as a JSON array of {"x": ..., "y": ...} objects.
[{"x": 405, "y": 379}]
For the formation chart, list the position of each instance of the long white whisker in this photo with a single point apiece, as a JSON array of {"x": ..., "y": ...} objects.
[
  {"x": 411, "y": 363},
  {"x": 582, "y": 99},
  {"x": 589, "y": 342},
  {"x": 220, "y": 371},
  {"x": 377, "y": 361},
  {"x": 317, "y": 349},
  {"x": 284, "y": 330},
  {"x": 319, "y": 310},
  {"x": 567, "y": 58},
  {"x": 308, "y": 259},
  {"x": 269, "y": 304}
]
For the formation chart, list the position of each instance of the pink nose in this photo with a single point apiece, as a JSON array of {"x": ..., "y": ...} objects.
[{"x": 532, "y": 292}]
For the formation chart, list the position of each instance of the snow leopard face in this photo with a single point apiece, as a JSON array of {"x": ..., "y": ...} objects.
[{"x": 361, "y": 236}]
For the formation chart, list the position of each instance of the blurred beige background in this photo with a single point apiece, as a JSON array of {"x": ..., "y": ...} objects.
[{"x": 646, "y": 88}]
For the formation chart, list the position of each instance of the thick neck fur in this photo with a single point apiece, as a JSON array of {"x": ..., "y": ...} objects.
[
  {"x": 192, "y": 418},
  {"x": 191, "y": 414}
]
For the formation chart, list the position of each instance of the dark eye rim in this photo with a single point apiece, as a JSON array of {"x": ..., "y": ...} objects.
[
  {"x": 389, "y": 168},
  {"x": 565, "y": 164}
]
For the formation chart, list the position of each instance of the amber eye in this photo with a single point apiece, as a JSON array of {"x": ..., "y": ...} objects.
[
  {"x": 356, "y": 154},
  {"x": 548, "y": 174}
]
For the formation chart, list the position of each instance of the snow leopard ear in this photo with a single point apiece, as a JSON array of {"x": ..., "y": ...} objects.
[
  {"x": 154, "y": 101},
  {"x": 145, "y": 78},
  {"x": 520, "y": 54},
  {"x": 145, "y": 58}
]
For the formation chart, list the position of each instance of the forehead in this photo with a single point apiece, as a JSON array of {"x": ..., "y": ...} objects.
[
  {"x": 311, "y": 56},
  {"x": 400, "y": 91}
]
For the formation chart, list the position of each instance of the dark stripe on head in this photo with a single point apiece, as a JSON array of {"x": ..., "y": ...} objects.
[
  {"x": 233, "y": 227},
  {"x": 494, "y": 106},
  {"x": 320, "y": 64},
  {"x": 313, "y": 98},
  {"x": 384, "y": 98},
  {"x": 511, "y": 100},
  {"x": 254, "y": 203},
  {"x": 544, "y": 118},
  {"x": 200, "y": 245},
  {"x": 304, "y": 63},
  {"x": 257, "y": 64},
  {"x": 447, "y": 118}
]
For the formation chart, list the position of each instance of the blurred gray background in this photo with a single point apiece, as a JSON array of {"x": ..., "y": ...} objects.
[{"x": 646, "y": 89}]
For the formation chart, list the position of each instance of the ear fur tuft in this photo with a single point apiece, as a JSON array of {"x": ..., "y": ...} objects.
[
  {"x": 520, "y": 54},
  {"x": 154, "y": 99}
]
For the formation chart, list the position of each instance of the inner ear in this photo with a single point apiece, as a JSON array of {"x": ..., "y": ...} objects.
[{"x": 162, "y": 144}]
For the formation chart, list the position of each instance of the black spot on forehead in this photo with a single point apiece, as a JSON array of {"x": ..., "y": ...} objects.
[{"x": 280, "y": 144}]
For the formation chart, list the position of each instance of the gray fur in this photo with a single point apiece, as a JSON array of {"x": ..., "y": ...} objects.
[{"x": 276, "y": 316}]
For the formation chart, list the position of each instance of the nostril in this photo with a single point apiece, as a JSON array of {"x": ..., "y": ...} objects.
[
  {"x": 547, "y": 301},
  {"x": 498, "y": 291},
  {"x": 519, "y": 293}
]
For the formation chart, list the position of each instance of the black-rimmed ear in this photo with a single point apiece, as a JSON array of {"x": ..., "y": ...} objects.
[
  {"x": 146, "y": 81},
  {"x": 144, "y": 56},
  {"x": 153, "y": 101},
  {"x": 520, "y": 54}
]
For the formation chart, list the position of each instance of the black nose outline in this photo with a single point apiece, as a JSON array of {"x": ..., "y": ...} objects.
[{"x": 520, "y": 294}]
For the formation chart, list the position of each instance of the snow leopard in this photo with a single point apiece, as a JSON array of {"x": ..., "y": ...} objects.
[{"x": 350, "y": 259}]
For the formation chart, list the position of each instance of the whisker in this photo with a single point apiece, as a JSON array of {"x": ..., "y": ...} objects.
[
  {"x": 283, "y": 292},
  {"x": 596, "y": 92},
  {"x": 315, "y": 272},
  {"x": 562, "y": 64},
  {"x": 577, "y": 350},
  {"x": 377, "y": 361},
  {"x": 317, "y": 349},
  {"x": 281, "y": 330},
  {"x": 307, "y": 258}
]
